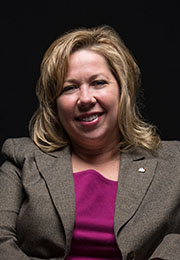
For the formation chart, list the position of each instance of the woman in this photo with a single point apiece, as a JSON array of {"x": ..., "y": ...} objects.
[{"x": 93, "y": 181}]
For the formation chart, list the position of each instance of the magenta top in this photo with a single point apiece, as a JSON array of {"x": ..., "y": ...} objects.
[{"x": 93, "y": 236}]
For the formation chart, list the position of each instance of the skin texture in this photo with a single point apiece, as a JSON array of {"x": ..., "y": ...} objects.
[
  {"x": 88, "y": 110},
  {"x": 89, "y": 88}
]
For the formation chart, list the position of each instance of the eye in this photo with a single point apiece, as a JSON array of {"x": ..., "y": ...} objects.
[
  {"x": 99, "y": 82},
  {"x": 69, "y": 88}
]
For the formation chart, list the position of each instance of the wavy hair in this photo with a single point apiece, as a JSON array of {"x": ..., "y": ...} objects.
[{"x": 46, "y": 129}]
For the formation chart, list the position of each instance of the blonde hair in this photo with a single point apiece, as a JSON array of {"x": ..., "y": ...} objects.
[{"x": 46, "y": 129}]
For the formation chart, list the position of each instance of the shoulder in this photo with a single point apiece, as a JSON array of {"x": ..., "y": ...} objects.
[
  {"x": 16, "y": 149},
  {"x": 169, "y": 149},
  {"x": 168, "y": 157},
  {"x": 170, "y": 145},
  {"x": 165, "y": 149},
  {"x": 19, "y": 150},
  {"x": 168, "y": 152},
  {"x": 23, "y": 142}
]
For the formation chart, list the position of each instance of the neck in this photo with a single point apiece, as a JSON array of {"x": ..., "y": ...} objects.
[{"x": 96, "y": 156}]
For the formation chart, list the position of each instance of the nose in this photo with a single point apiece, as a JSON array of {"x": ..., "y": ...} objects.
[{"x": 86, "y": 98}]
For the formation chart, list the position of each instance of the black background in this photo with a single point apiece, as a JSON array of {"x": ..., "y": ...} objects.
[{"x": 150, "y": 29}]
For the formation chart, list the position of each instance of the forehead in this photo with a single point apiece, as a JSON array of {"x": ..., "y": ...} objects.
[{"x": 87, "y": 61}]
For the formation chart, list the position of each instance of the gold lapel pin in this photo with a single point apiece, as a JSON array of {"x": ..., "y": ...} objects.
[{"x": 142, "y": 169}]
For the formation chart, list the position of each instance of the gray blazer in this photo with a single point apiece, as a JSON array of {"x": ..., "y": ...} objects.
[{"x": 37, "y": 203}]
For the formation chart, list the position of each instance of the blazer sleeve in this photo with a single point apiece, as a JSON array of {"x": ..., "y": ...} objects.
[
  {"x": 11, "y": 198},
  {"x": 169, "y": 248}
]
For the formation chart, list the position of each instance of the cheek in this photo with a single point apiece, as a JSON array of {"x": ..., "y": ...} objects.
[
  {"x": 61, "y": 109},
  {"x": 116, "y": 99},
  {"x": 64, "y": 109},
  {"x": 111, "y": 101}
]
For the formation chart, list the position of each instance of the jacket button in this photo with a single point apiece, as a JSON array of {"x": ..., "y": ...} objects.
[{"x": 131, "y": 256}]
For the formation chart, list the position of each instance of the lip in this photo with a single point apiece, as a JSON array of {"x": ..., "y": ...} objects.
[
  {"x": 84, "y": 115},
  {"x": 94, "y": 122}
]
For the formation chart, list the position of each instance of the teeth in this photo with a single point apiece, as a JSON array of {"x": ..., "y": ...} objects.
[{"x": 89, "y": 118}]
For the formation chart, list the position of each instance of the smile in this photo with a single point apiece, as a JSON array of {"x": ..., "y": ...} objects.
[{"x": 89, "y": 118}]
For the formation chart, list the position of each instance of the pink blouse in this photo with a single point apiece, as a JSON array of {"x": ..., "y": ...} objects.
[{"x": 93, "y": 236}]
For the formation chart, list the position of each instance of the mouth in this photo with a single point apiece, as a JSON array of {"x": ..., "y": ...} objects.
[{"x": 89, "y": 118}]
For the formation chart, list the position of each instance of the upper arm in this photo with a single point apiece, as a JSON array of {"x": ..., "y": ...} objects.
[{"x": 11, "y": 193}]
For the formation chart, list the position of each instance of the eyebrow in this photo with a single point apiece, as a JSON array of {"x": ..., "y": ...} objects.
[{"x": 94, "y": 76}]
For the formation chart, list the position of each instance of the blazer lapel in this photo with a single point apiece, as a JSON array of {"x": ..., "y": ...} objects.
[
  {"x": 57, "y": 171},
  {"x": 56, "y": 168},
  {"x": 135, "y": 177}
]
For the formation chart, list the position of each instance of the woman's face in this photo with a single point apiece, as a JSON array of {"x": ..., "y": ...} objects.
[{"x": 88, "y": 105}]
